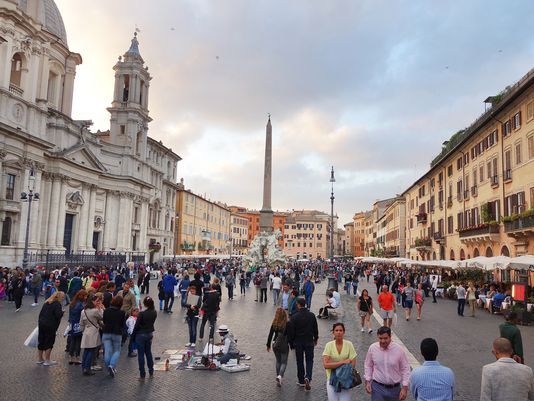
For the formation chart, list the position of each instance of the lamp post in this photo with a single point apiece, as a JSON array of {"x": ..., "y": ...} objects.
[
  {"x": 332, "y": 180},
  {"x": 28, "y": 197}
]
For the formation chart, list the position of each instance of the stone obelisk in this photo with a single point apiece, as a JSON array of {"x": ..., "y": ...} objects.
[{"x": 266, "y": 213}]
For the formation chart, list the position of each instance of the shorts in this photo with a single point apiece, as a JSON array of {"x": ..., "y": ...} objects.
[
  {"x": 363, "y": 314},
  {"x": 408, "y": 304},
  {"x": 388, "y": 314}
]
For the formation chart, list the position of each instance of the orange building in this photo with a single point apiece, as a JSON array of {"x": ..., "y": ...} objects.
[{"x": 253, "y": 216}]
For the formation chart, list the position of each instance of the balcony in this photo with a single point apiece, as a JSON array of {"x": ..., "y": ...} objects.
[
  {"x": 474, "y": 191},
  {"x": 136, "y": 227},
  {"x": 15, "y": 90},
  {"x": 480, "y": 233},
  {"x": 494, "y": 181},
  {"x": 421, "y": 218},
  {"x": 507, "y": 175},
  {"x": 439, "y": 237},
  {"x": 520, "y": 227},
  {"x": 423, "y": 245}
]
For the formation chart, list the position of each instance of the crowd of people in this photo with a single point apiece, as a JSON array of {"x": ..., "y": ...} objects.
[{"x": 107, "y": 311}]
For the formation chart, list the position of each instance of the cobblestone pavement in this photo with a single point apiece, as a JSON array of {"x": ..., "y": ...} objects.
[{"x": 465, "y": 345}]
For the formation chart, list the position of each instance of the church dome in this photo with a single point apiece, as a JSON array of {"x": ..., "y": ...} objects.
[{"x": 49, "y": 17}]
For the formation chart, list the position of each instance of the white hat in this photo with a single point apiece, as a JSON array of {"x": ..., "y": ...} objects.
[{"x": 223, "y": 328}]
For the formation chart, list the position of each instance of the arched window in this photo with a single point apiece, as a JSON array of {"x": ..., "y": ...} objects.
[
  {"x": 53, "y": 85},
  {"x": 6, "y": 231},
  {"x": 505, "y": 251},
  {"x": 476, "y": 253},
  {"x": 125, "y": 88},
  {"x": 452, "y": 254},
  {"x": 462, "y": 254},
  {"x": 16, "y": 70},
  {"x": 434, "y": 255},
  {"x": 489, "y": 252}
]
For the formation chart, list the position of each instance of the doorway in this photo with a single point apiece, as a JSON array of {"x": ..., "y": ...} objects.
[{"x": 67, "y": 235}]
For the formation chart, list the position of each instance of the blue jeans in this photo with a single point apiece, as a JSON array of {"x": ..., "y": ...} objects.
[
  {"x": 276, "y": 294},
  {"x": 36, "y": 292},
  {"x": 304, "y": 351},
  {"x": 355, "y": 288},
  {"x": 112, "y": 348},
  {"x": 461, "y": 306},
  {"x": 192, "y": 322},
  {"x": 348, "y": 284},
  {"x": 184, "y": 298},
  {"x": 308, "y": 298},
  {"x": 144, "y": 347},
  {"x": 87, "y": 358}
]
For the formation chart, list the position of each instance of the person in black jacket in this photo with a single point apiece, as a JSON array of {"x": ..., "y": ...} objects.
[
  {"x": 49, "y": 320},
  {"x": 114, "y": 321},
  {"x": 210, "y": 308},
  {"x": 302, "y": 335},
  {"x": 143, "y": 333}
]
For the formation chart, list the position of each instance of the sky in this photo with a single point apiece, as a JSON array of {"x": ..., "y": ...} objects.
[{"x": 371, "y": 87}]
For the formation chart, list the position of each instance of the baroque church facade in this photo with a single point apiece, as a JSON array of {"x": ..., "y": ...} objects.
[{"x": 111, "y": 191}]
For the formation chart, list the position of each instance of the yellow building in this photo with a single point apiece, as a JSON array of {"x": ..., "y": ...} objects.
[
  {"x": 307, "y": 234},
  {"x": 202, "y": 226},
  {"x": 395, "y": 228},
  {"x": 239, "y": 234},
  {"x": 358, "y": 241},
  {"x": 349, "y": 238},
  {"x": 478, "y": 196}
]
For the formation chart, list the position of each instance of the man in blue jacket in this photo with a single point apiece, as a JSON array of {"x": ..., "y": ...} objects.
[{"x": 169, "y": 281}]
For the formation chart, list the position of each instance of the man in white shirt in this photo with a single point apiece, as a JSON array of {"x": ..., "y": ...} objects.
[
  {"x": 276, "y": 283},
  {"x": 460, "y": 294}
]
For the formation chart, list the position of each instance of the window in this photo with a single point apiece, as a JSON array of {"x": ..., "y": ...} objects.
[
  {"x": 450, "y": 224},
  {"x": 507, "y": 159},
  {"x": 16, "y": 70},
  {"x": 6, "y": 232},
  {"x": 530, "y": 111},
  {"x": 531, "y": 147},
  {"x": 518, "y": 157},
  {"x": 489, "y": 170},
  {"x": 125, "y": 88},
  {"x": 481, "y": 175},
  {"x": 506, "y": 128},
  {"x": 449, "y": 170},
  {"x": 459, "y": 163},
  {"x": 10, "y": 186},
  {"x": 516, "y": 120}
]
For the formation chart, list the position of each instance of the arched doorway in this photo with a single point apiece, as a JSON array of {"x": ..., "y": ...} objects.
[
  {"x": 452, "y": 254},
  {"x": 442, "y": 252},
  {"x": 505, "y": 251},
  {"x": 476, "y": 253},
  {"x": 434, "y": 255},
  {"x": 489, "y": 252},
  {"x": 462, "y": 254}
]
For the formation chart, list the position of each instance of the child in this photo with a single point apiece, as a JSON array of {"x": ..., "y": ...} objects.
[
  {"x": 161, "y": 294},
  {"x": 130, "y": 324}
]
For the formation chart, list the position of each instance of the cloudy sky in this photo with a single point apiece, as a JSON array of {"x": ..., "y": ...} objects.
[{"x": 372, "y": 87}]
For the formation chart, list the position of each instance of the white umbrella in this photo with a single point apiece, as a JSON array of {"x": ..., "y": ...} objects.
[{"x": 525, "y": 262}]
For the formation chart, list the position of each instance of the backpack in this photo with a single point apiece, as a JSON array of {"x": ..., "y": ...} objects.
[{"x": 280, "y": 344}]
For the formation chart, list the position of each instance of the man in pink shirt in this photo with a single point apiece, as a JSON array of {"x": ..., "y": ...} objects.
[{"x": 387, "y": 371}]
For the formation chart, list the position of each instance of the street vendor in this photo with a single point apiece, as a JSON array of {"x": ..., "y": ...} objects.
[{"x": 229, "y": 346}]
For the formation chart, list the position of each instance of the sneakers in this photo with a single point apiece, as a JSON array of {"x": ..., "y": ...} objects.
[
  {"x": 188, "y": 344},
  {"x": 35, "y": 304},
  {"x": 17, "y": 309},
  {"x": 132, "y": 354},
  {"x": 307, "y": 386},
  {"x": 40, "y": 362},
  {"x": 112, "y": 371},
  {"x": 88, "y": 372},
  {"x": 370, "y": 331},
  {"x": 362, "y": 330},
  {"x": 96, "y": 367},
  {"x": 301, "y": 384},
  {"x": 49, "y": 363},
  {"x": 279, "y": 381}
]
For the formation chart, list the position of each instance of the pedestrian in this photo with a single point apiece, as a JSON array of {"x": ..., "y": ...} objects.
[
  {"x": 276, "y": 283},
  {"x": 209, "y": 310},
  {"x": 387, "y": 371},
  {"x": 434, "y": 289},
  {"x": 263, "y": 287},
  {"x": 308, "y": 289},
  {"x": 184, "y": 288},
  {"x": 409, "y": 295},
  {"x": 355, "y": 282},
  {"x": 19, "y": 285},
  {"x": 257, "y": 283},
  {"x": 510, "y": 331},
  {"x": 302, "y": 336},
  {"x": 460, "y": 294},
  {"x": 49, "y": 320},
  {"x": 228, "y": 343},
  {"x": 144, "y": 334},
  {"x": 348, "y": 282},
  {"x": 277, "y": 340},
  {"x": 471, "y": 298},
  {"x": 331, "y": 303},
  {"x": 161, "y": 294},
  {"x": 364, "y": 306},
  {"x": 90, "y": 323},
  {"x": 145, "y": 284},
  {"x": 243, "y": 283},
  {"x": 193, "y": 303},
  {"x": 36, "y": 285},
  {"x": 386, "y": 302},
  {"x": 419, "y": 300},
  {"x": 431, "y": 381},
  {"x": 338, "y": 354},
  {"x": 506, "y": 379},
  {"x": 75, "y": 285},
  {"x": 230, "y": 283},
  {"x": 114, "y": 319},
  {"x": 75, "y": 331},
  {"x": 169, "y": 281}
]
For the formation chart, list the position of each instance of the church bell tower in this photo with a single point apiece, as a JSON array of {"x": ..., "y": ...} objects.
[{"x": 129, "y": 109}]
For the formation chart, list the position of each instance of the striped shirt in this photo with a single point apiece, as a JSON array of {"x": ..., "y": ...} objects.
[{"x": 432, "y": 382}]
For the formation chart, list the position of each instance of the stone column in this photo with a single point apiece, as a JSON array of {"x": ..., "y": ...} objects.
[
  {"x": 123, "y": 223},
  {"x": 36, "y": 212},
  {"x": 91, "y": 218},
  {"x": 83, "y": 217},
  {"x": 68, "y": 87},
  {"x": 111, "y": 220},
  {"x": 143, "y": 233},
  {"x": 61, "y": 213},
  {"x": 46, "y": 192},
  {"x": 5, "y": 55},
  {"x": 57, "y": 189}
]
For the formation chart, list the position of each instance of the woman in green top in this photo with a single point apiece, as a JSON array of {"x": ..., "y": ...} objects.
[{"x": 338, "y": 353}]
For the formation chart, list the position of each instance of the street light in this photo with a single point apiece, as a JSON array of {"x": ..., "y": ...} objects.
[
  {"x": 28, "y": 197},
  {"x": 332, "y": 180}
]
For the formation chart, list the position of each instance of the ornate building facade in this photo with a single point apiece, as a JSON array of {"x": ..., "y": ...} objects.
[{"x": 98, "y": 192}]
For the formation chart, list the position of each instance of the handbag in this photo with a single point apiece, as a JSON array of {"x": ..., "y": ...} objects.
[
  {"x": 356, "y": 378},
  {"x": 33, "y": 339}
]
